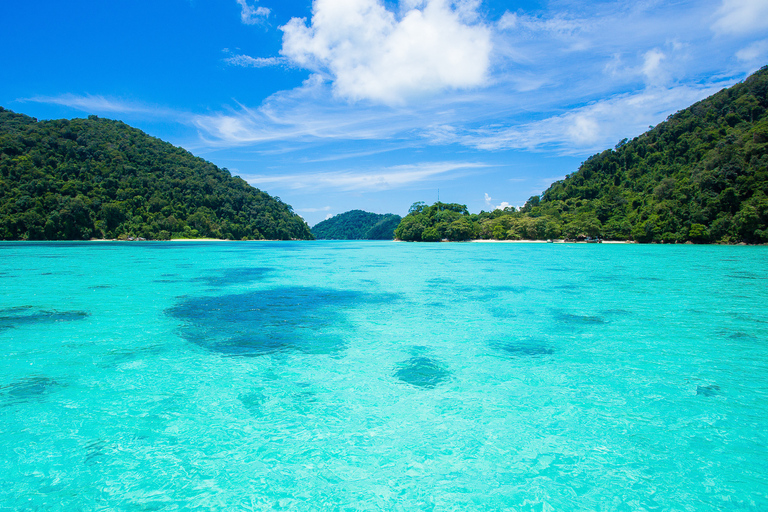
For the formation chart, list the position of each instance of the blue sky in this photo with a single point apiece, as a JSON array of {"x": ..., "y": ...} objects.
[{"x": 335, "y": 105}]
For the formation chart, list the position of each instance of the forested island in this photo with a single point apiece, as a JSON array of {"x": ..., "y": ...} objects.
[
  {"x": 701, "y": 176},
  {"x": 97, "y": 178},
  {"x": 357, "y": 225}
]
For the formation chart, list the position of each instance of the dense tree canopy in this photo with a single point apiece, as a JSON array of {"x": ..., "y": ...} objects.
[
  {"x": 700, "y": 176},
  {"x": 96, "y": 178},
  {"x": 434, "y": 223},
  {"x": 357, "y": 225}
]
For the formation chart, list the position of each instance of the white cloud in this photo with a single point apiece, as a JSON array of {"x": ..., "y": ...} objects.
[
  {"x": 252, "y": 15},
  {"x": 629, "y": 73},
  {"x": 308, "y": 112},
  {"x": 370, "y": 53},
  {"x": 106, "y": 105},
  {"x": 565, "y": 32},
  {"x": 755, "y": 52},
  {"x": 313, "y": 210},
  {"x": 378, "y": 179},
  {"x": 560, "y": 24},
  {"x": 501, "y": 206},
  {"x": 247, "y": 61},
  {"x": 653, "y": 67},
  {"x": 589, "y": 128},
  {"x": 741, "y": 17},
  {"x": 536, "y": 94}
]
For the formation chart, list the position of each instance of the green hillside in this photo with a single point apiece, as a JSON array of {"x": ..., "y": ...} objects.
[
  {"x": 97, "y": 178},
  {"x": 700, "y": 176},
  {"x": 357, "y": 225}
]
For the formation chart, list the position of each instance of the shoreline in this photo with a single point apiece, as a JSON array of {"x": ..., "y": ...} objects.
[
  {"x": 478, "y": 241},
  {"x": 560, "y": 241}
]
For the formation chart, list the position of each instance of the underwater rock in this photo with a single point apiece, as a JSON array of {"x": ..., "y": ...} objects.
[
  {"x": 258, "y": 323},
  {"x": 256, "y": 345},
  {"x": 231, "y": 276},
  {"x": 27, "y": 389},
  {"x": 422, "y": 372},
  {"x": 529, "y": 347},
  {"x": 710, "y": 390},
  {"x": 252, "y": 401},
  {"x": 26, "y": 315},
  {"x": 572, "y": 319}
]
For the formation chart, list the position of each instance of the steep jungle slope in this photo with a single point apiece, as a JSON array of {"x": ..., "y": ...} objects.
[
  {"x": 97, "y": 178},
  {"x": 702, "y": 176}
]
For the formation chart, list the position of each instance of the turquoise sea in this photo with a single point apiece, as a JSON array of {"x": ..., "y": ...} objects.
[{"x": 383, "y": 376}]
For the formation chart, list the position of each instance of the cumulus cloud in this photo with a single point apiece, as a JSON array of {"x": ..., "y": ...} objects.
[
  {"x": 657, "y": 67},
  {"x": 251, "y": 15},
  {"x": 536, "y": 96},
  {"x": 740, "y": 17},
  {"x": 653, "y": 67},
  {"x": 372, "y": 53},
  {"x": 501, "y": 206}
]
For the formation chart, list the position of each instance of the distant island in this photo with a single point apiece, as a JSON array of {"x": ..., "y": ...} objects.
[
  {"x": 98, "y": 178},
  {"x": 357, "y": 225},
  {"x": 701, "y": 176}
]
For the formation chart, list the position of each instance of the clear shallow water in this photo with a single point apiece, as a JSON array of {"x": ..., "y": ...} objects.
[{"x": 383, "y": 376}]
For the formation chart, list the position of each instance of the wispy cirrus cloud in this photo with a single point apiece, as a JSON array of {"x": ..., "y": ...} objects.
[
  {"x": 251, "y": 15},
  {"x": 539, "y": 93},
  {"x": 310, "y": 112},
  {"x": 588, "y": 128},
  {"x": 741, "y": 17},
  {"x": 756, "y": 52},
  {"x": 107, "y": 105},
  {"x": 313, "y": 210},
  {"x": 246, "y": 61},
  {"x": 367, "y": 180},
  {"x": 573, "y": 81}
]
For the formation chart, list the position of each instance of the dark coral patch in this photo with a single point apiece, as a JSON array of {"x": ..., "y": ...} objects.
[
  {"x": 264, "y": 322},
  {"x": 422, "y": 372},
  {"x": 230, "y": 276},
  {"x": 571, "y": 319},
  {"x": 27, "y": 389},
  {"x": 524, "y": 347},
  {"x": 26, "y": 315},
  {"x": 711, "y": 390}
]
